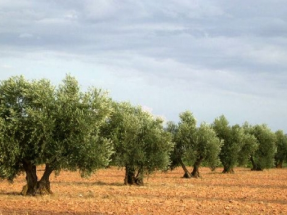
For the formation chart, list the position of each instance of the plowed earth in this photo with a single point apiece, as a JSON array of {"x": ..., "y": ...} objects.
[{"x": 245, "y": 192}]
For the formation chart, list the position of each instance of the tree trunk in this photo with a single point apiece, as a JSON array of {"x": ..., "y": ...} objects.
[
  {"x": 255, "y": 167},
  {"x": 131, "y": 178},
  {"x": 43, "y": 186},
  {"x": 139, "y": 177},
  {"x": 213, "y": 168},
  {"x": 186, "y": 173},
  {"x": 279, "y": 164},
  {"x": 196, "y": 165},
  {"x": 31, "y": 178},
  {"x": 34, "y": 186},
  {"x": 227, "y": 169}
]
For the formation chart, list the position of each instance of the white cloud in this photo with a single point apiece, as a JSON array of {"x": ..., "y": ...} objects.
[
  {"x": 154, "y": 27},
  {"x": 6, "y": 66},
  {"x": 17, "y": 4},
  {"x": 269, "y": 54},
  {"x": 26, "y": 36},
  {"x": 101, "y": 9},
  {"x": 71, "y": 15}
]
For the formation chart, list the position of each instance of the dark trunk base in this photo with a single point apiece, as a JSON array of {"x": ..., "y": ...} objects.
[
  {"x": 43, "y": 188},
  {"x": 255, "y": 166},
  {"x": 195, "y": 174},
  {"x": 196, "y": 165},
  {"x": 228, "y": 171},
  {"x": 213, "y": 168},
  {"x": 33, "y": 186},
  {"x": 186, "y": 175},
  {"x": 31, "y": 178},
  {"x": 256, "y": 169},
  {"x": 131, "y": 178},
  {"x": 279, "y": 165}
]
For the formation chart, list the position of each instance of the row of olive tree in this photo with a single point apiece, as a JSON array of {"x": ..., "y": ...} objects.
[
  {"x": 222, "y": 144},
  {"x": 66, "y": 129},
  {"x": 193, "y": 144}
]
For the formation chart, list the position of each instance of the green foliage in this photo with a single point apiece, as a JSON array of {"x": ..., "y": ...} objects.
[
  {"x": 26, "y": 124},
  {"x": 76, "y": 141},
  {"x": 177, "y": 151},
  {"x": 60, "y": 126},
  {"x": 250, "y": 145},
  {"x": 233, "y": 139},
  {"x": 263, "y": 157},
  {"x": 73, "y": 130},
  {"x": 207, "y": 145},
  {"x": 139, "y": 140},
  {"x": 281, "y": 144},
  {"x": 193, "y": 145},
  {"x": 8, "y": 157},
  {"x": 184, "y": 138}
]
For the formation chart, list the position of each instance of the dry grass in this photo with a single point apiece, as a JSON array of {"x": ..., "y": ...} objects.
[{"x": 245, "y": 192}]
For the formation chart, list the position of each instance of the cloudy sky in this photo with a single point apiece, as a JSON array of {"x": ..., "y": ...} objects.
[{"x": 211, "y": 57}]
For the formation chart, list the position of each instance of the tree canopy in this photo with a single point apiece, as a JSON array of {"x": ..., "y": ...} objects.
[
  {"x": 55, "y": 126},
  {"x": 263, "y": 157},
  {"x": 281, "y": 145},
  {"x": 183, "y": 135},
  {"x": 249, "y": 146},
  {"x": 63, "y": 128},
  {"x": 140, "y": 142},
  {"x": 193, "y": 144},
  {"x": 207, "y": 147},
  {"x": 233, "y": 138}
]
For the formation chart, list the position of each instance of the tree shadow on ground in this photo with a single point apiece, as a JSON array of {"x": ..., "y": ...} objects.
[
  {"x": 89, "y": 183},
  {"x": 5, "y": 193}
]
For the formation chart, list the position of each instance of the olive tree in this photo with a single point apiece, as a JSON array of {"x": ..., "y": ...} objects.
[
  {"x": 141, "y": 145},
  {"x": 249, "y": 146},
  {"x": 281, "y": 145},
  {"x": 233, "y": 138},
  {"x": 183, "y": 135},
  {"x": 192, "y": 144},
  {"x": 56, "y": 126},
  {"x": 206, "y": 148},
  {"x": 263, "y": 157}
]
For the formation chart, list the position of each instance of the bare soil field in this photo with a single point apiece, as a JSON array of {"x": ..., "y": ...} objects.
[{"x": 245, "y": 192}]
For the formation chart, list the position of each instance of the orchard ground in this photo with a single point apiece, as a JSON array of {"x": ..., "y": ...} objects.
[{"x": 245, "y": 192}]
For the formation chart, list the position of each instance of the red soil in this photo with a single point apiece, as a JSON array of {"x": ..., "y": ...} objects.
[{"x": 245, "y": 192}]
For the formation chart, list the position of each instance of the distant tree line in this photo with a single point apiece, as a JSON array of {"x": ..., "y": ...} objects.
[{"x": 62, "y": 128}]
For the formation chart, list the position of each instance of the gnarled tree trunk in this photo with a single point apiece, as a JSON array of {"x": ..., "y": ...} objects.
[
  {"x": 279, "y": 164},
  {"x": 131, "y": 178},
  {"x": 43, "y": 186},
  {"x": 31, "y": 177},
  {"x": 228, "y": 169},
  {"x": 186, "y": 173},
  {"x": 213, "y": 168},
  {"x": 34, "y": 186},
  {"x": 255, "y": 167},
  {"x": 196, "y": 165}
]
